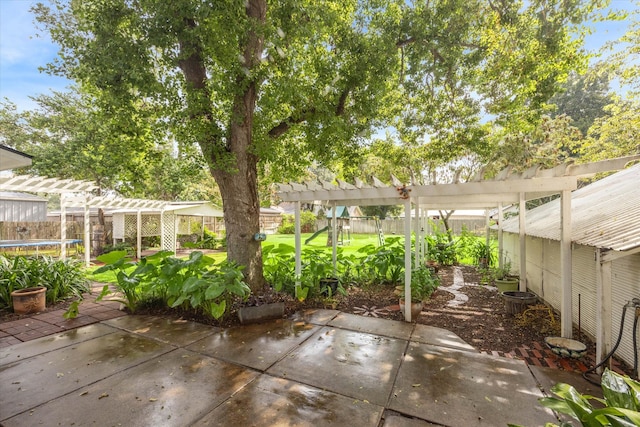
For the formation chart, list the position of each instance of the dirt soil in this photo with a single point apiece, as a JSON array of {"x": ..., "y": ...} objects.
[{"x": 481, "y": 321}]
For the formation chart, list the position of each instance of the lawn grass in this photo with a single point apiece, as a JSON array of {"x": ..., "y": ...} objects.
[{"x": 356, "y": 242}]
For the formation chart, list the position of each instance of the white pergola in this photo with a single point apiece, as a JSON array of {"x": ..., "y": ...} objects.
[
  {"x": 505, "y": 189},
  {"x": 78, "y": 194}
]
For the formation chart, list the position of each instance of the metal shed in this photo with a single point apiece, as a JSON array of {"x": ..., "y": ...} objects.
[
  {"x": 605, "y": 236},
  {"x": 22, "y": 207}
]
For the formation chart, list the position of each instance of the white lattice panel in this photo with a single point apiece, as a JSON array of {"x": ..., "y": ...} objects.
[
  {"x": 118, "y": 226},
  {"x": 169, "y": 232},
  {"x": 150, "y": 225},
  {"x": 130, "y": 226}
]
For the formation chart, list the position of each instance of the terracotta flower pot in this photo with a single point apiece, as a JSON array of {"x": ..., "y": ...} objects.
[{"x": 29, "y": 300}]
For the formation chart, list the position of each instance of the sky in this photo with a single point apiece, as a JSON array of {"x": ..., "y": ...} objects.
[{"x": 23, "y": 51}]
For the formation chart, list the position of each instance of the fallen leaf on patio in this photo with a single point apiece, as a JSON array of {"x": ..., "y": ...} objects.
[
  {"x": 152, "y": 399},
  {"x": 416, "y": 385},
  {"x": 103, "y": 395}
]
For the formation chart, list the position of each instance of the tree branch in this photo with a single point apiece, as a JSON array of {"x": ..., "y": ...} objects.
[{"x": 282, "y": 127}]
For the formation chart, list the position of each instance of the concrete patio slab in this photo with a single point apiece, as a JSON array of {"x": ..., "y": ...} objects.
[
  {"x": 151, "y": 373},
  {"x": 176, "y": 389},
  {"x": 69, "y": 368},
  {"x": 28, "y": 349},
  {"x": 372, "y": 325},
  {"x": 460, "y": 388},
  {"x": 400, "y": 421},
  {"x": 438, "y": 336},
  {"x": 270, "y": 401},
  {"x": 177, "y": 332},
  {"x": 316, "y": 316},
  {"x": 258, "y": 345},
  {"x": 359, "y": 365}
]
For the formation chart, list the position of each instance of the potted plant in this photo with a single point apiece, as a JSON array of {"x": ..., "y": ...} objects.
[
  {"x": 423, "y": 284},
  {"x": 483, "y": 254},
  {"x": 504, "y": 280}
]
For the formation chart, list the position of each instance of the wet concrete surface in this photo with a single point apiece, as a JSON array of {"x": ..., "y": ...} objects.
[{"x": 320, "y": 368}]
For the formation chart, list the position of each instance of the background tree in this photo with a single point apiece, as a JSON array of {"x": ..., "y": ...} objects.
[
  {"x": 281, "y": 83},
  {"x": 583, "y": 98}
]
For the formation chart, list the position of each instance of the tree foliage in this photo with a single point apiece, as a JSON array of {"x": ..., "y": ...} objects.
[
  {"x": 583, "y": 98},
  {"x": 278, "y": 84}
]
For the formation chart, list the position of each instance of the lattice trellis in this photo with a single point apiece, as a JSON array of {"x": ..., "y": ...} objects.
[
  {"x": 118, "y": 226},
  {"x": 169, "y": 235}
]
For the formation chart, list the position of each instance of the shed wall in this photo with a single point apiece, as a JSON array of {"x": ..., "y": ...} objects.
[
  {"x": 23, "y": 210},
  {"x": 543, "y": 278}
]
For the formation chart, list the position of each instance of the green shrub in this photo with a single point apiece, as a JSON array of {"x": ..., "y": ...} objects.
[
  {"x": 621, "y": 403},
  {"x": 307, "y": 223},
  {"x": 196, "y": 282},
  {"x": 62, "y": 278}
]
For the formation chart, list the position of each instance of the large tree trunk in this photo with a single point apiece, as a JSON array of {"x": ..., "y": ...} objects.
[
  {"x": 241, "y": 208},
  {"x": 232, "y": 162},
  {"x": 239, "y": 188}
]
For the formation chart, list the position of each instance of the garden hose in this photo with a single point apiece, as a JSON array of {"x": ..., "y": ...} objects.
[{"x": 635, "y": 302}]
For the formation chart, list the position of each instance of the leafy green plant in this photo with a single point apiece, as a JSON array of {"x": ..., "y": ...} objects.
[
  {"x": 200, "y": 284},
  {"x": 382, "y": 264},
  {"x": 62, "y": 278},
  {"x": 196, "y": 282},
  {"x": 483, "y": 253},
  {"x": 442, "y": 247},
  {"x": 128, "y": 275},
  {"x": 423, "y": 284},
  {"x": 621, "y": 403},
  {"x": 279, "y": 266}
]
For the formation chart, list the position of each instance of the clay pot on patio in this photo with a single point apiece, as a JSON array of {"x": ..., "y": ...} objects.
[
  {"x": 416, "y": 309},
  {"x": 29, "y": 300}
]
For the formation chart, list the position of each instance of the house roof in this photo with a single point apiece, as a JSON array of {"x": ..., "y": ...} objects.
[
  {"x": 604, "y": 214},
  {"x": 11, "y": 159},
  {"x": 14, "y": 195}
]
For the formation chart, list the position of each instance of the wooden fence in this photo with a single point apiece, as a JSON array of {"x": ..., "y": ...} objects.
[
  {"x": 42, "y": 230},
  {"x": 392, "y": 226}
]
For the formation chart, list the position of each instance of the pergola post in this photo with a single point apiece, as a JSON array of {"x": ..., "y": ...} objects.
[
  {"x": 603, "y": 307},
  {"x": 298, "y": 243},
  {"x": 501, "y": 257},
  {"x": 334, "y": 237},
  {"x": 566, "y": 326},
  {"x": 522, "y": 234},
  {"x": 139, "y": 233},
  {"x": 407, "y": 259},
  {"x": 87, "y": 235},
  {"x": 63, "y": 227}
]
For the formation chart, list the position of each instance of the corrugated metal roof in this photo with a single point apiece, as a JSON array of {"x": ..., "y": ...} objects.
[
  {"x": 605, "y": 214},
  {"x": 13, "y": 195}
]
